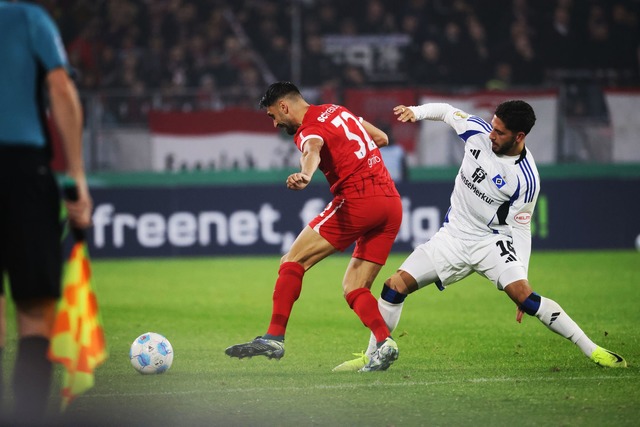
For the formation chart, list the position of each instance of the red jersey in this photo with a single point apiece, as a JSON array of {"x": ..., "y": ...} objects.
[{"x": 349, "y": 158}]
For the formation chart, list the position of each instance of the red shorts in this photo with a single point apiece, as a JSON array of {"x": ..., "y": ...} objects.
[{"x": 372, "y": 223}]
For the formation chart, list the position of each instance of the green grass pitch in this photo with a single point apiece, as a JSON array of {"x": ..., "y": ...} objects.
[{"x": 463, "y": 358}]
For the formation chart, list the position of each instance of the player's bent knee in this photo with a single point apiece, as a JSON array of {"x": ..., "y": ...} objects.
[
  {"x": 396, "y": 283},
  {"x": 396, "y": 289},
  {"x": 518, "y": 290}
]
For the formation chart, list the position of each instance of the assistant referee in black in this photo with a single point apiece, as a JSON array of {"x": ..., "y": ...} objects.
[{"x": 34, "y": 79}]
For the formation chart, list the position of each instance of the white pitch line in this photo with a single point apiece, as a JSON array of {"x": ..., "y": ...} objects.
[{"x": 351, "y": 386}]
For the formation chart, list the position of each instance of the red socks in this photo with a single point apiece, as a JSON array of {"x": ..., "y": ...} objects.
[
  {"x": 285, "y": 294},
  {"x": 287, "y": 291},
  {"x": 366, "y": 307}
]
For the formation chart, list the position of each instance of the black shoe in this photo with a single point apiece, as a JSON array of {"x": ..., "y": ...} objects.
[{"x": 258, "y": 347}]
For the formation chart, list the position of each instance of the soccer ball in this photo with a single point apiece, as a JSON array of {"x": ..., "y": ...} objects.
[{"x": 151, "y": 353}]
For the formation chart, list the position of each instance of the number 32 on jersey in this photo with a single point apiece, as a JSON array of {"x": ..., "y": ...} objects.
[{"x": 365, "y": 143}]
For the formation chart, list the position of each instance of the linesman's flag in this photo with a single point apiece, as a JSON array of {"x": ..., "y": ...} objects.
[{"x": 78, "y": 340}]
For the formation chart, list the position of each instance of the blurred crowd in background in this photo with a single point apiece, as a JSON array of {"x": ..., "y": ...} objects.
[{"x": 227, "y": 51}]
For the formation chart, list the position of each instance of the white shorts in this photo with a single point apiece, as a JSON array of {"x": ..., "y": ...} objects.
[{"x": 448, "y": 259}]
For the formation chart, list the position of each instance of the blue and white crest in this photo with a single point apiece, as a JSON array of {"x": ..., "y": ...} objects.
[{"x": 498, "y": 181}]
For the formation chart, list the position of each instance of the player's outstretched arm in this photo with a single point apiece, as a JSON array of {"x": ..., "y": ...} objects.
[
  {"x": 431, "y": 111},
  {"x": 308, "y": 164},
  {"x": 404, "y": 113}
]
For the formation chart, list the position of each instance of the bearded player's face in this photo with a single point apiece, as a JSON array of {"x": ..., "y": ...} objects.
[
  {"x": 504, "y": 141},
  {"x": 282, "y": 121}
]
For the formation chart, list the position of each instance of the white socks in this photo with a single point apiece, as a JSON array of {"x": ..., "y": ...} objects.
[
  {"x": 554, "y": 317},
  {"x": 550, "y": 314},
  {"x": 391, "y": 315}
]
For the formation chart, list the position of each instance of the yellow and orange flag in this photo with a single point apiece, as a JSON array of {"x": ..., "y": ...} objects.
[{"x": 78, "y": 340}]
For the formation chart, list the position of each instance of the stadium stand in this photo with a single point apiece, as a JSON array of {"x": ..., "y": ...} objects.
[{"x": 218, "y": 45}]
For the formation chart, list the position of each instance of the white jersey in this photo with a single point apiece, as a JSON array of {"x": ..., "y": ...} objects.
[{"x": 493, "y": 194}]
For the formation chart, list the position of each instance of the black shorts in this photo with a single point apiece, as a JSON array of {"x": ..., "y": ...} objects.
[{"x": 30, "y": 227}]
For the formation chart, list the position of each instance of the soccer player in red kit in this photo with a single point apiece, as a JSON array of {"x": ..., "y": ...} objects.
[{"x": 366, "y": 209}]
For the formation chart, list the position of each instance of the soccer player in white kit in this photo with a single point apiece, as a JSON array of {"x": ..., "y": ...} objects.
[{"x": 487, "y": 229}]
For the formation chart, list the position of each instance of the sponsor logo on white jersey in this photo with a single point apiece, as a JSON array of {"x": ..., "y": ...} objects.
[{"x": 522, "y": 218}]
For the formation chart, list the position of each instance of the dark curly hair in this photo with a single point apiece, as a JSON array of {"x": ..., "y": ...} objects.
[
  {"x": 277, "y": 91},
  {"x": 517, "y": 115}
]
